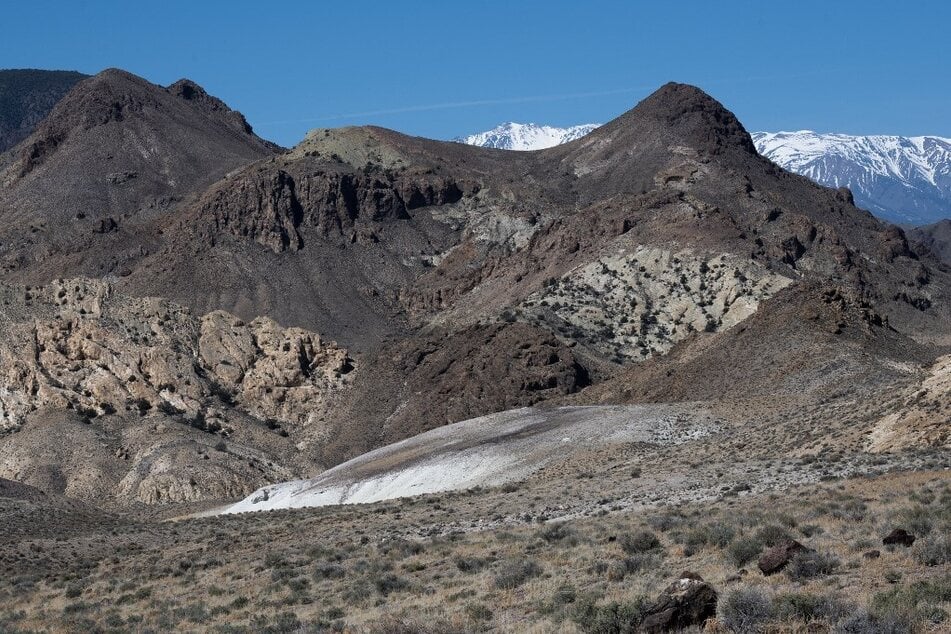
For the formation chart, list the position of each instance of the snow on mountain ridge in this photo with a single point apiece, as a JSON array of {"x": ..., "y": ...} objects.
[
  {"x": 526, "y": 136},
  {"x": 903, "y": 179}
]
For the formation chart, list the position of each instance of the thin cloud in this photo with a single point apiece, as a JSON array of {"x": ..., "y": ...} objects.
[{"x": 459, "y": 104}]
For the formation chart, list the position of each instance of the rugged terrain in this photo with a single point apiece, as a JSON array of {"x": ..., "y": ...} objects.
[
  {"x": 26, "y": 97},
  {"x": 906, "y": 180},
  {"x": 195, "y": 322}
]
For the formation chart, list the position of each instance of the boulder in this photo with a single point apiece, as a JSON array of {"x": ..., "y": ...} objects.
[
  {"x": 899, "y": 537},
  {"x": 687, "y": 602},
  {"x": 778, "y": 557}
]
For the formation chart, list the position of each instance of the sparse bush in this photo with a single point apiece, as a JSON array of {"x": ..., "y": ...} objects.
[
  {"x": 771, "y": 535},
  {"x": 611, "y": 618},
  {"x": 389, "y": 583},
  {"x": 934, "y": 550},
  {"x": 559, "y": 532},
  {"x": 807, "y": 607},
  {"x": 514, "y": 573},
  {"x": 807, "y": 565},
  {"x": 745, "y": 610},
  {"x": 743, "y": 550},
  {"x": 639, "y": 542}
]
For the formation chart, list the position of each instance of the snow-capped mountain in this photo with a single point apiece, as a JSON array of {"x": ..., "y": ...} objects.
[
  {"x": 901, "y": 179},
  {"x": 526, "y": 136}
]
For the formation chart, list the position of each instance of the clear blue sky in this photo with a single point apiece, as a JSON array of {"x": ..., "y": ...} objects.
[{"x": 444, "y": 68}]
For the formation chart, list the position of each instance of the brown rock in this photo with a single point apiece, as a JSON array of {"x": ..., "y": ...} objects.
[
  {"x": 686, "y": 602},
  {"x": 778, "y": 557},
  {"x": 899, "y": 537}
]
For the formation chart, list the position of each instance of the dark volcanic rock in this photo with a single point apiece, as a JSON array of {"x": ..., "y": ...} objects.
[
  {"x": 26, "y": 97},
  {"x": 779, "y": 556},
  {"x": 687, "y": 602},
  {"x": 899, "y": 537}
]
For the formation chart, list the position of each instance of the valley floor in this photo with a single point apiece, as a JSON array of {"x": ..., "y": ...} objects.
[{"x": 497, "y": 560}]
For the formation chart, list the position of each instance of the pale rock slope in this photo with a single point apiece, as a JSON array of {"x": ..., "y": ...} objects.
[{"x": 487, "y": 451}]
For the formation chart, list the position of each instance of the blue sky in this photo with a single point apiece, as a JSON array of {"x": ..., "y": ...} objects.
[{"x": 441, "y": 69}]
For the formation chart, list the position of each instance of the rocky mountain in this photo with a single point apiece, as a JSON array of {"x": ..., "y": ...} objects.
[
  {"x": 936, "y": 237},
  {"x": 26, "y": 97},
  {"x": 115, "y": 152},
  {"x": 902, "y": 179},
  {"x": 906, "y": 180},
  {"x": 261, "y": 315},
  {"x": 526, "y": 136}
]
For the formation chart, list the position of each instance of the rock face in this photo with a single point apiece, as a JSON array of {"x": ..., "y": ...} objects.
[
  {"x": 921, "y": 415},
  {"x": 687, "y": 602},
  {"x": 899, "y": 537},
  {"x": 132, "y": 364},
  {"x": 26, "y": 97},
  {"x": 779, "y": 556}
]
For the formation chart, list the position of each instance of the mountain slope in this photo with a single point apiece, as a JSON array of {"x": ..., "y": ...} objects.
[
  {"x": 116, "y": 151},
  {"x": 936, "y": 237},
  {"x": 526, "y": 136},
  {"x": 26, "y": 97},
  {"x": 902, "y": 179}
]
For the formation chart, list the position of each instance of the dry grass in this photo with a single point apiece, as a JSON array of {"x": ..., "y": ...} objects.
[{"x": 365, "y": 568}]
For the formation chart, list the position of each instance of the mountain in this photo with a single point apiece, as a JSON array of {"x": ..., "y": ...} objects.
[
  {"x": 26, "y": 97},
  {"x": 526, "y": 136},
  {"x": 901, "y": 179},
  {"x": 936, "y": 237},
  {"x": 906, "y": 180},
  {"x": 299, "y": 308},
  {"x": 115, "y": 152}
]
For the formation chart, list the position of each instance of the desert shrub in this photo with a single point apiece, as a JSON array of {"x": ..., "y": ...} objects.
[
  {"x": 717, "y": 534},
  {"x": 513, "y": 573},
  {"x": 863, "y": 622},
  {"x": 478, "y": 612},
  {"x": 771, "y": 535},
  {"x": 559, "y": 532},
  {"x": 919, "y": 520},
  {"x": 746, "y": 610},
  {"x": 642, "y": 561},
  {"x": 807, "y": 607},
  {"x": 913, "y": 604},
  {"x": 470, "y": 564},
  {"x": 639, "y": 542},
  {"x": 389, "y": 583},
  {"x": 610, "y": 618},
  {"x": 743, "y": 550},
  {"x": 808, "y": 565},
  {"x": 934, "y": 550},
  {"x": 327, "y": 570},
  {"x": 284, "y": 623}
]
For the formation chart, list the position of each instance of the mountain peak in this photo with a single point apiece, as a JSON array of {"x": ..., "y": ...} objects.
[{"x": 695, "y": 114}]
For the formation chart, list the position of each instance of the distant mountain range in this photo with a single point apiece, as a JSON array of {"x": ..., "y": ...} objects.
[
  {"x": 526, "y": 136},
  {"x": 906, "y": 180}
]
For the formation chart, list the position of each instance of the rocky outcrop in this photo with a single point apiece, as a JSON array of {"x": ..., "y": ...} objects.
[
  {"x": 272, "y": 206},
  {"x": 638, "y": 303},
  {"x": 688, "y": 602},
  {"x": 168, "y": 392}
]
